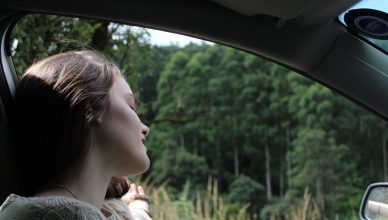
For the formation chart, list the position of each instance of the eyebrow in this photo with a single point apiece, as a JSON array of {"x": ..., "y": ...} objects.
[{"x": 133, "y": 97}]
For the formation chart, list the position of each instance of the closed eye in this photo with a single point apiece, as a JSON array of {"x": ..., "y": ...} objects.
[{"x": 131, "y": 101}]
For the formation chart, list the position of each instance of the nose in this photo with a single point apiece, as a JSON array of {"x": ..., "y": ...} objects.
[{"x": 145, "y": 130}]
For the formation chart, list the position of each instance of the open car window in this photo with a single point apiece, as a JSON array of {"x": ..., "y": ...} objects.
[{"x": 233, "y": 136}]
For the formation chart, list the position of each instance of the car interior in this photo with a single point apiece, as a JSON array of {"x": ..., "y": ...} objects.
[{"x": 302, "y": 35}]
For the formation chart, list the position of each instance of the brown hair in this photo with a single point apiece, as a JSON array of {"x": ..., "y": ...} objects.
[
  {"x": 118, "y": 187},
  {"x": 56, "y": 102}
]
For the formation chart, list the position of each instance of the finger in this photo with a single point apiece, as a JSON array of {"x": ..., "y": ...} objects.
[
  {"x": 134, "y": 188},
  {"x": 128, "y": 182},
  {"x": 141, "y": 191},
  {"x": 128, "y": 197}
]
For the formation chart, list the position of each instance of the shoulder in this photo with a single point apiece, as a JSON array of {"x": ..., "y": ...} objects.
[
  {"x": 121, "y": 210},
  {"x": 18, "y": 207},
  {"x": 117, "y": 208}
]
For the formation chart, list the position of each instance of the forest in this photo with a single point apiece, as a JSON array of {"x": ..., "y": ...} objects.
[{"x": 232, "y": 135}]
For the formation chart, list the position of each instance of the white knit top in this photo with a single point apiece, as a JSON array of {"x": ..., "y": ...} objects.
[{"x": 17, "y": 207}]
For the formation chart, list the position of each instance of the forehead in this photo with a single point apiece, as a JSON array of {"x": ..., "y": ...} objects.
[{"x": 120, "y": 86}]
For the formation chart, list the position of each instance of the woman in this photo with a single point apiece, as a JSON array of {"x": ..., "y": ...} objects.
[{"x": 75, "y": 128}]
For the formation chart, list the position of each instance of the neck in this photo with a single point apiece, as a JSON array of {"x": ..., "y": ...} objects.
[{"x": 88, "y": 179}]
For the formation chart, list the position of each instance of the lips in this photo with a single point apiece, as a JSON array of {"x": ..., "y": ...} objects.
[{"x": 144, "y": 141}]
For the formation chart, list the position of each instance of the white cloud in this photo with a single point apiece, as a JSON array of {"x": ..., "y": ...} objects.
[{"x": 162, "y": 38}]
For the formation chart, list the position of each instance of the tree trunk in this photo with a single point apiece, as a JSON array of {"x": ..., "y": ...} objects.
[
  {"x": 218, "y": 158},
  {"x": 101, "y": 36},
  {"x": 235, "y": 149},
  {"x": 195, "y": 142},
  {"x": 288, "y": 160},
  {"x": 236, "y": 168},
  {"x": 182, "y": 140},
  {"x": 281, "y": 179},
  {"x": 268, "y": 173},
  {"x": 123, "y": 59}
]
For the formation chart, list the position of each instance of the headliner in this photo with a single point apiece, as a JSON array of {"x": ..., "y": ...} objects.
[{"x": 268, "y": 33}]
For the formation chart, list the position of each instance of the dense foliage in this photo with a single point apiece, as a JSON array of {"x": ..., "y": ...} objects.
[{"x": 267, "y": 134}]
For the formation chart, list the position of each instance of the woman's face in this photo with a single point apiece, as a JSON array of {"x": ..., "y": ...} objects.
[{"x": 121, "y": 134}]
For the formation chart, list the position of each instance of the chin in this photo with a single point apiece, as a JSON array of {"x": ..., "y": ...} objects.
[
  {"x": 147, "y": 164},
  {"x": 138, "y": 168}
]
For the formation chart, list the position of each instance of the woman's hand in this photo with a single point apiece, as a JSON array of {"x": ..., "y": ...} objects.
[{"x": 136, "y": 198}]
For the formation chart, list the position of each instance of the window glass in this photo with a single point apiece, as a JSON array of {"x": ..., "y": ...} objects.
[{"x": 232, "y": 136}]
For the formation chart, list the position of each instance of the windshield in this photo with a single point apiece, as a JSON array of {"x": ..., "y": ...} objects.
[{"x": 380, "y": 5}]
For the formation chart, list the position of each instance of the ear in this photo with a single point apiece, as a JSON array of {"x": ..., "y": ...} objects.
[{"x": 99, "y": 119}]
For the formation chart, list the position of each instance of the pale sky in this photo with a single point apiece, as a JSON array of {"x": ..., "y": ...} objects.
[
  {"x": 162, "y": 38},
  {"x": 373, "y": 4}
]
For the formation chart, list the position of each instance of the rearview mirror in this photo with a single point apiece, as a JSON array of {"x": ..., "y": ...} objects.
[{"x": 374, "y": 204}]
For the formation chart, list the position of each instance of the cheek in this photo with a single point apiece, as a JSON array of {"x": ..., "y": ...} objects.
[
  {"x": 128, "y": 151},
  {"x": 125, "y": 128},
  {"x": 122, "y": 137},
  {"x": 123, "y": 125}
]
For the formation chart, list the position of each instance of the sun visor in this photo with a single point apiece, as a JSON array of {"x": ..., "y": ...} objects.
[{"x": 284, "y": 9}]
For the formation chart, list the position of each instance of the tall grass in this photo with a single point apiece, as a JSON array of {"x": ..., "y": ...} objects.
[
  {"x": 205, "y": 204},
  {"x": 308, "y": 209},
  {"x": 208, "y": 204}
]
